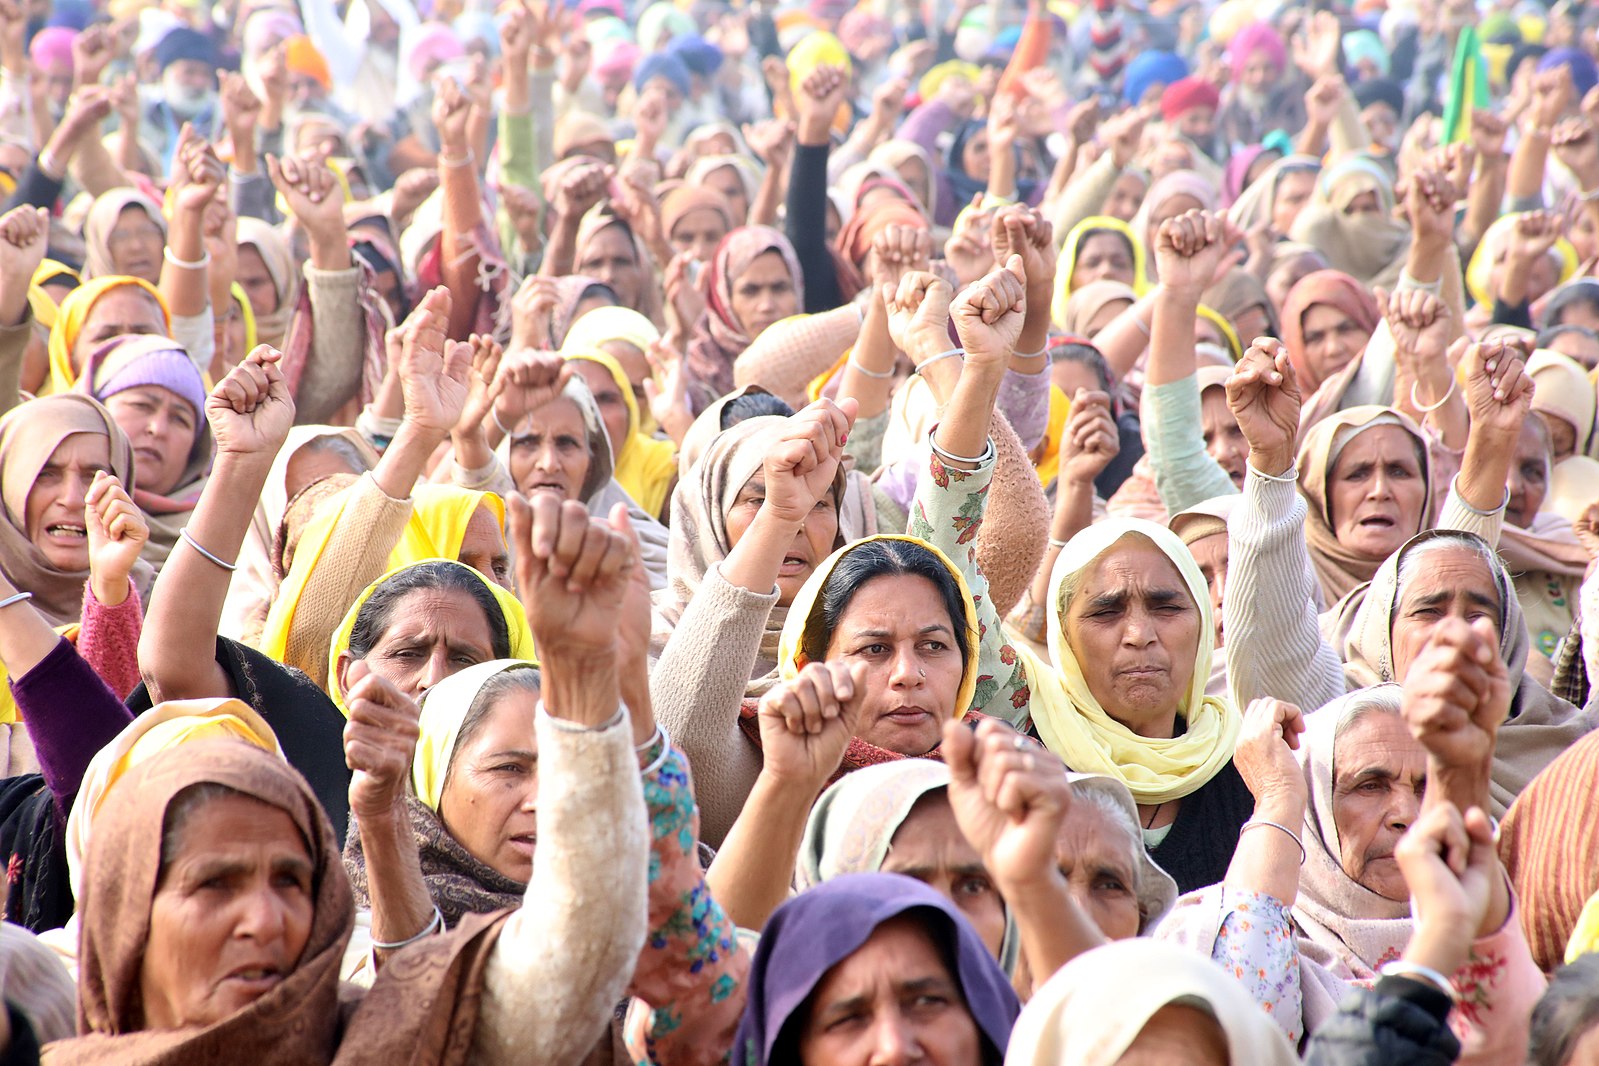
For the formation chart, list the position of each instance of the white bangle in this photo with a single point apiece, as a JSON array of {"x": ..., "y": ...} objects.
[
  {"x": 660, "y": 760},
  {"x": 1139, "y": 322},
  {"x": 1255, "y": 822},
  {"x": 1287, "y": 479},
  {"x": 1454, "y": 488},
  {"x": 878, "y": 374},
  {"x": 1053, "y": 543},
  {"x": 922, "y": 366},
  {"x": 183, "y": 264},
  {"x": 1403, "y": 968},
  {"x": 951, "y": 457},
  {"x": 1429, "y": 408},
  {"x": 1588, "y": 197},
  {"x": 468, "y": 161},
  {"x": 16, "y": 597},
  {"x": 1031, "y": 355},
  {"x": 188, "y": 539},
  {"x": 435, "y": 924}
]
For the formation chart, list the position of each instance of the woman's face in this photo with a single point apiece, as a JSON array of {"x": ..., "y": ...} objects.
[
  {"x": 256, "y": 281},
  {"x": 53, "y": 514},
  {"x": 898, "y": 626},
  {"x": 929, "y": 847},
  {"x": 1252, "y": 322},
  {"x": 913, "y": 172},
  {"x": 699, "y": 232},
  {"x": 1376, "y": 491},
  {"x": 1332, "y": 339},
  {"x": 1529, "y": 476},
  {"x": 1125, "y": 197},
  {"x": 1452, "y": 583},
  {"x": 162, "y": 427},
  {"x": 813, "y": 542},
  {"x": 974, "y": 156},
  {"x": 433, "y": 634},
  {"x": 1364, "y": 203},
  {"x": 1562, "y": 435},
  {"x": 120, "y": 311},
  {"x": 1286, "y": 275},
  {"x": 893, "y": 1000},
  {"x": 1379, "y": 777},
  {"x": 631, "y": 358},
  {"x": 231, "y": 915},
  {"x": 1134, "y": 630},
  {"x": 490, "y": 800},
  {"x": 1583, "y": 233},
  {"x": 1584, "y": 348},
  {"x": 610, "y": 257},
  {"x": 1294, "y": 190},
  {"x": 726, "y": 181},
  {"x": 1102, "y": 257},
  {"x": 764, "y": 294},
  {"x": 718, "y": 143},
  {"x": 483, "y": 547},
  {"x": 1097, "y": 857},
  {"x": 1178, "y": 1033},
  {"x": 608, "y": 397},
  {"x": 1224, "y": 441},
  {"x": 1211, "y": 553},
  {"x": 135, "y": 244},
  {"x": 1382, "y": 123},
  {"x": 1104, "y": 317},
  {"x": 551, "y": 452}
]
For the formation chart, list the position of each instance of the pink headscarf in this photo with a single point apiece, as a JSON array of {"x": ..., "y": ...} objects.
[
  {"x": 52, "y": 48},
  {"x": 435, "y": 43},
  {"x": 1256, "y": 37},
  {"x": 619, "y": 62}
]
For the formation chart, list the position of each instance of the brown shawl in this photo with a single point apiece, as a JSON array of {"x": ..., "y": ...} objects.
[
  {"x": 602, "y": 217},
  {"x": 719, "y": 337},
  {"x": 423, "y": 1008},
  {"x": 1338, "y": 569},
  {"x": 29, "y": 435},
  {"x": 1369, "y": 246},
  {"x": 1540, "y": 726},
  {"x": 1323, "y": 287}
]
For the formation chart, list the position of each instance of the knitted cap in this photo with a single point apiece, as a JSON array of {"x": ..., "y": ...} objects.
[{"x": 132, "y": 362}]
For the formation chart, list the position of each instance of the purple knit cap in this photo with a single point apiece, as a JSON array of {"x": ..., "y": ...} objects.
[{"x": 131, "y": 362}]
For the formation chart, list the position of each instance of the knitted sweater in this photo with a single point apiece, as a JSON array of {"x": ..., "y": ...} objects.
[{"x": 1275, "y": 645}]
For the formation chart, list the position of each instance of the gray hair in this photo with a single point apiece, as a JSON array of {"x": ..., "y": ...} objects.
[
  {"x": 1362, "y": 703},
  {"x": 1455, "y": 540},
  {"x": 1101, "y": 800}
]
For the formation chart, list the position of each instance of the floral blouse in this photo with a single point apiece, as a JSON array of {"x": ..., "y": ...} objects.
[
  {"x": 689, "y": 986},
  {"x": 947, "y": 513}
]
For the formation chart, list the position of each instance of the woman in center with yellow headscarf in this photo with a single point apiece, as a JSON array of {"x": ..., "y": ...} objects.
[
  {"x": 96, "y": 311},
  {"x": 1130, "y": 635}
]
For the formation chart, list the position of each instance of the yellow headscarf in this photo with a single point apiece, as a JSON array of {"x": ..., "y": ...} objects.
[
  {"x": 1480, "y": 271},
  {"x": 74, "y": 312},
  {"x": 44, "y": 305},
  {"x": 159, "y": 729},
  {"x": 1068, "y": 259},
  {"x": 435, "y": 530},
  {"x": 605, "y": 324},
  {"x": 645, "y": 467},
  {"x": 790, "y": 646},
  {"x": 1228, "y": 333},
  {"x": 444, "y": 711},
  {"x": 242, "y": 299},
  {"x": 1585, "y": 937},
  {"x": 1060, "y": 409},
  {"x": 521, "y": 635},
  {"x": 1073, "y": 724}
]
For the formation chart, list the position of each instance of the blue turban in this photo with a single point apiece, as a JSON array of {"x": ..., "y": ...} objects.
[
  {"x": 662, "y": 65},
  {"x": 698, "y": 55},
  {"x": 1584, "y": 73},
  {"x": 1149, "y": 69}
]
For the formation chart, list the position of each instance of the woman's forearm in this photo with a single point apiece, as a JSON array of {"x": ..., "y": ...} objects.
[
  {"x": 185, "y": 287},
  {"x": 754, "y": 868},
  {"x": 1127, "y": 336},
  {"x": 868, "y": 373},
  {"x": 401, "y": 905},
  {"x": 1527, "y": 164},
  {"x": 458, "y": 261}
]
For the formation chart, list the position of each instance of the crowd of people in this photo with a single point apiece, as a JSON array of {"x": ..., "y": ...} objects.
[{"x": 815, "y": 533}]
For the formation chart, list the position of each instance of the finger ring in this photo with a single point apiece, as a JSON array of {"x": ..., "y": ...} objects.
[{"x": 1019, "y": 742}]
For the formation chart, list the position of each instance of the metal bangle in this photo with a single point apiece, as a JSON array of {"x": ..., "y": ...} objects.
[
  {"x": 880, "y": 375},
  {"x": 951, "y": 457},
  {"x": 660, "y": 760},
  {"x": 1053, "y": 543},
  {"x": 184, "y": 264},
  {"x": 1286, "y": 479},
  {"x": 468, "y": 161},
  {"x": 1404, "y": 968},
  {"x": 1254, "y": 822},
  {"x": 17, "y": 597},
  {"x": 435, "y": 924},
  {"x": 922, "y": 366},
  {"x": 189, "y": 539},
  {"x": 1428, "y": 409}
]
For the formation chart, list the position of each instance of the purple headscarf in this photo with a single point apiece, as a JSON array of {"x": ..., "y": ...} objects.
[
  {"x": 1256, "y": 37},
  {"x": 823, "y": 926}
]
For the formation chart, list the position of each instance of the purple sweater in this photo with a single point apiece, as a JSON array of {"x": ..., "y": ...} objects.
[{"x": 71, "y": 715}]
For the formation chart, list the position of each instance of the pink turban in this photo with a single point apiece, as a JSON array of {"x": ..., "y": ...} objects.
[
  {"x": 1256, "y": 37},
  {"x": 52, "y": 47}
]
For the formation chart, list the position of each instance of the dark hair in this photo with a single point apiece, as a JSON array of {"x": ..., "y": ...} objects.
[
  {"x": 753, "y": 405},
  {"x": 1090, "y": 234},
  {"x": 599, "y": 290},
  {"x": 1568, "y": 1010},
  {"x": 1549, "y": 334},
  {"x": 183, "y": 807},
  {"x": 377, "y": 613},
  {"x": 882, "y": 558},
  {"x": 1585, "y": 293},
  {"x": 511, "y": 679},
  {"x": 1083, "y": 355}
]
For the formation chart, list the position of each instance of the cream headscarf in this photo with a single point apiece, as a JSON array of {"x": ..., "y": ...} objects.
[
  {"x": 1069, "y": 718},
  {"x": 444, "y": 711}
]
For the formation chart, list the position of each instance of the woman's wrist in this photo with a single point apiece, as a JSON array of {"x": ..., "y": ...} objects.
[
  {"x": 111, "y": 590},
  {"x": 1272, "y": 463}
]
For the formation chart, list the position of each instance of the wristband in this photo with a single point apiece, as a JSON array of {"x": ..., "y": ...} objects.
[
  {"x": 951, "y": 457},
  {"x": 920, "y": 367},
  {"x": 1255, "y": 823},
  {"x": 1427, "y": 409},
  {"x": 1286, "y": 479},
  {"x": 878, "y": 374}
]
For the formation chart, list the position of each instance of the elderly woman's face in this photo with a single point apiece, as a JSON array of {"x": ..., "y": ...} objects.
[
  {"x": 726, "y": 181},
  {"x": 764, "y": 293},
  {"x": 1097, "y": 857},
  {"x": 1293, "y": 192},
  {"x": 53, "y": 514},
  {"x": 1211, "y": 553},
  {"x": 893, "y": 1000},
  {"x": 117, "y": 312},
  {"x": 1449, "y": 583},
  {"x": 698, "y": 233},
  {"x": 489, "y": 802},
  {"x": 1134, "y": 630},
  {"x": 231, "y": 914},
  {"x": 1224, "y": 441},
  {"x": 898, "y": 626},
  {"x": 611, "y": 257},
  {"x": 433, "y": 633},
  {"x": 1178, "y": 1034},
  {"x": 1102, "y": 257},
  {"x": 812, "y": 543},
  {"x": 929, "y": 847},
  {"x": 162, "y": 427},
  {"x": 608, "y": 397},
  {"x": 483, "y": 547},
  {"x": 1529, "y": 475},
  {"x": 1332, "y": 339},
  {"x": 135, "y": 244},
  {"x": 1125, "y": 197},
  {"x": 1379, "y": 777},
  {"x": 551, "y": 453},
  {"x": 256, "y": 281},
  {"x": 1375, "y": 492}
]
